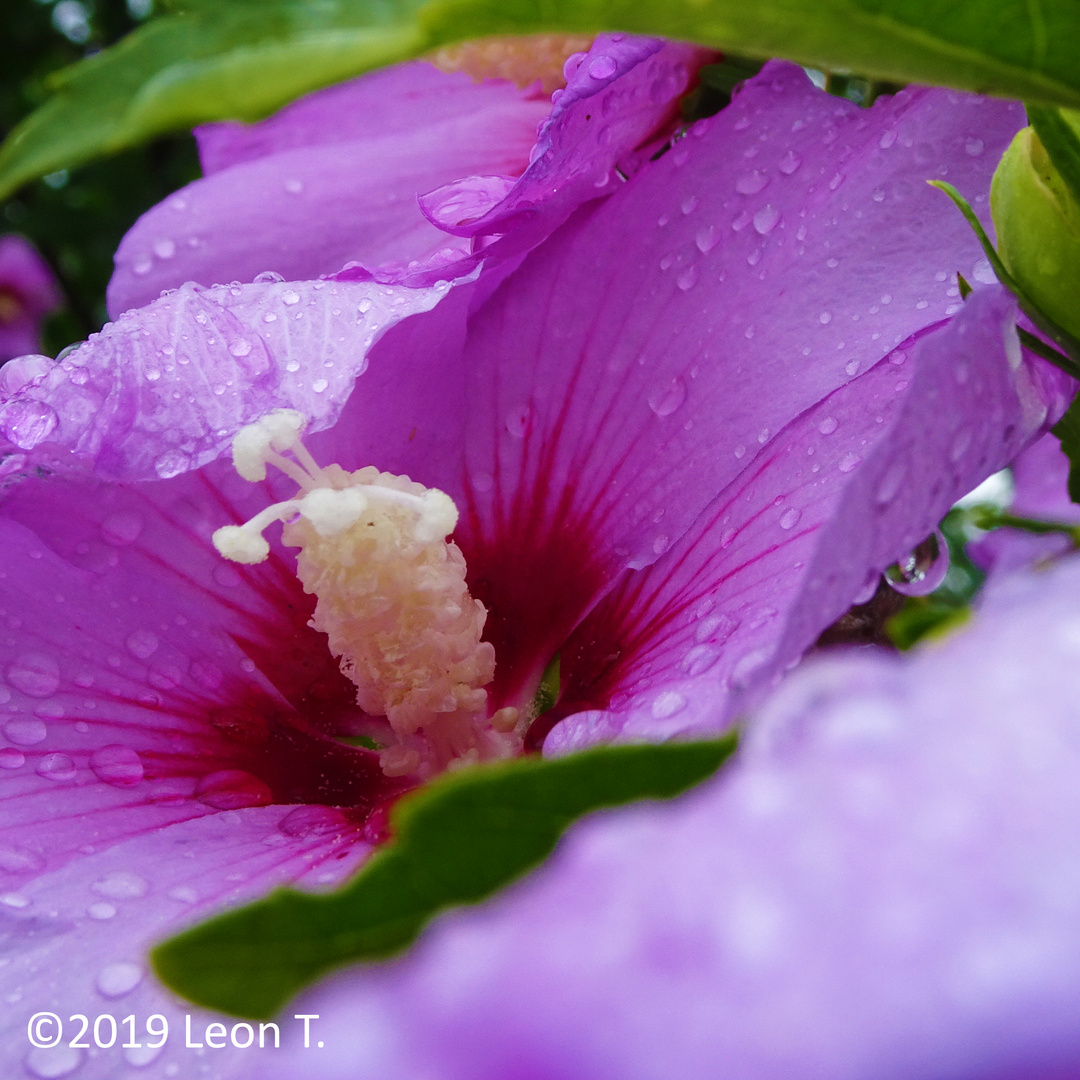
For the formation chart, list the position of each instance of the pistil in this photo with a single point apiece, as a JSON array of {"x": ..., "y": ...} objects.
[{"x": 390, "y": 595}]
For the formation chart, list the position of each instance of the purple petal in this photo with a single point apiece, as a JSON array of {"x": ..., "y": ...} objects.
[
  {"x": 1041, "y": 475},
  {"x": 883, "y": 885},
  {"x": 648, "y": 353},
  {"x": 848, "y": 487},
  {"x": 165, "y": 389},
  {"x": 317, "y": 199},
  {"x": 28, "y": 292}
]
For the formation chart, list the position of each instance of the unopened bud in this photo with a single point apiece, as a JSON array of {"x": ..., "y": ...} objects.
[{"x": 1037, "y": 220}]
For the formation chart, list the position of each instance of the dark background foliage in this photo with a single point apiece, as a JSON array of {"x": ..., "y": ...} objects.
[{"x": 76, "y": 220}]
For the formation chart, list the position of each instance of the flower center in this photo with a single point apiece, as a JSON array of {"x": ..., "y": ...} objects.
[
  {"x": 390, "y": 595},
  {"x": 522, "y": 60}
]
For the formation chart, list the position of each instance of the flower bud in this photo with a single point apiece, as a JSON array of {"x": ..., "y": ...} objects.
[{"x": 1038, "y": 229}]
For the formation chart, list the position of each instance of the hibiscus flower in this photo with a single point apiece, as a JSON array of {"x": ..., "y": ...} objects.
[{"x": 684, "y": 431}]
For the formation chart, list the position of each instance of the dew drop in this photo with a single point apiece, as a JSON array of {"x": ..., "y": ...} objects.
[
  {"x": 312, "y": 821},
  {"x": 668, "y": 398},
  {"x": 171, "y": 463},
  {"x": 983, "y": 273},
  {"x": 319, "y": 385},
  {"x": 116, "y": 980},
  {"x": 848, "y": 462},
  {"x": 699, "y": 659},
  {"x": 828, "y": 425},
  {"x": 667, "y": 703},
  {"x": 706, "y": 239},
  {"x": 10, "y": 758},
  {"x": 790, "y": 162},
  {"x": 519, "y": 421},
  {"x": 27, "y": 423},
  {"x": 689, "y": 204},
  {"x": 974, "y": 147},
  {"x": 117, "y": 765},
  {"x": 765, "y": 219},
  {"x": 121, "y": 885},
  {"x": 294, "y": 187},
  {"x": 165, "y": 249},
  {"x": 142, "y": 644},
  {"x": 34, "y": 674},
  {"x": 790, "y": 518},
  {"x": 19, "y": 860},
  {"x": 852, "y": 367},
  {"x": 232, "y": 789},
  {"x": 887, "y": 139},
  {"x": 25, "y": 731},
  {"x": 101, "y": 911},
  {"x": 268, "y": 277},
  {"x": 602, "y": 67},
  {"x": 56, "y": 767},
  {"x": 239, "y": 348},
  {"x": 51, "y": 1063},
  {"x": 923, "y": 570},
  {"x": 754, "y": 257},
  {"x": 687, "y": 279},
  {"x": 143, "y": 265},
  {"x": 751, "y": 183},
  {"x": 290, "y": 297}
]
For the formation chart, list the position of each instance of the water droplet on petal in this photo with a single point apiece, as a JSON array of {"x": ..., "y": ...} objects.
[
  {"x": 10, "y": 758},
  {"x": 142, "y": 644},
  {"x": 668, "y": 398},
  {"x": 171, "y": 463},
  {"x": 165, "y": 249},
  {"x": 923, "y": 570},
  {"x": 101, "y": 911},
  {"x": 699, "y": 659},
  {"x": 790, "y": 518},
  {"x": 240, "y": 348},
  {"x": 974, "y": 147},
  {"x": 117, "y": 765},
  {"x": 56, "y": 767},
  {"x": 268, "y": 277},
  {"x": 667, "y": 703},
  {"x": 25, "y": 731},
  {"x": 751, "y": 183},
  {"x": 765, "y": 219},
  {"x": 519, "y": 421},
  {"x": 35, "y": 674},
  {"x": 27, "y": 423},
  {"x": 232, "y": 789},
  {"x": 143, "y": 265},
  {"x": 51, "y": 1063},
  {"x": 312, "y": 821},
  {"x": 121, "y": 885},
  {"x": 116, "y": 980},
  {"x": 19, "y": 860},
  {"x": 294, "y": 187},
  {"x": 689, "y": 204},
  {"x": 706, "y": 238},
  {"x": 290, "y": 297},
  {"x": 602, "y": 67},
  {"x": 887, "y": 139},
  {"x": 828, "y": 425},
  {"x": 848, "y": 462}
]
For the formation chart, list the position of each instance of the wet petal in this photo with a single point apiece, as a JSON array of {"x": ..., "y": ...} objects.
[
  {"x": 885, "y": 816},
  {"x": 850, "y": 486},
  {"x": 165, "y": 389},
  {"x": 329, "y": 180},
  {"x": 648, "y": 353}
]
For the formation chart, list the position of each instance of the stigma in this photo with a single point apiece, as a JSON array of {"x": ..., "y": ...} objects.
[{"x": 391, "y": 597}]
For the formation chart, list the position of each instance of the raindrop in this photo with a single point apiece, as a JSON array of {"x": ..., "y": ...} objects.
[
  {"x": 116, "y": 980},
  {"x": 51, "y": 1063},
  {"x": 18, "y": 860},
  {"x": 751, "y": 183},
  {"x": 117, "y": 765},
  {"x": 319, "y": 385},
  {"x": 142, "y": 644},
  {"x": 689, "y": 204},
  {"x": 824, "y": 318},
  {"x": 294, "y": 187},
  {"x": 56, "y": 767},
  {"x": 143, "y": 265},
  {"x": 790, "y": 518},
  {"x": 715, "y": 629},
  {"x": 28, "y": 423},
  {"x": 706, "y": 239},
  {"x": 101, "y": 911},
  {"x": 699, "y": 659},
  {"x": 270, "y": 316},
  {"x": 171, "y": 463},
  {"x": 25, "y": 731},
  {"x": 754, "y": 257},
  {"x": 34, "y": 674},
  {"x": 232, "y": 789},
  {"x": 687, "y": 279},
  {"x": 312, "y": 820},
  {"x": 828, "y": 425},
  {"x": 878, "y": 194},
  {"x": 887, "y": 139},
  {"x": 240, "y": 348},
  {"x": 165, "y": 249},
  {"x": 121, "y": 885},
  {"x": 766, "y": 218},
  {"x": 602, "y": 67},
  {"x": 974, "y": 147},
  {"x": 290, "y": 297},
  {"x": 790, "y": 162},
  {"x": 983, "y": 273},
  {"x": 852, "y": 367},
  {"x": 923, "y": 570},
  {"x": 364, "y": 306},
  {"x": 519, "y": 421},
  {"x": 666, "y": 400},
  {"x": 268, "y": 277},
  {"x": 667, "y": 703},
  {"x": 848, "y": 462},
  {"x": 661, "y": 544},
  {"x": 10, "y": 758}
]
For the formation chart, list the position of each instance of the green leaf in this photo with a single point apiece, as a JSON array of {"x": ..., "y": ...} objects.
[
  {"x": 242, "y": 59},
  {"x": 1067, "y": 429},
  {"x": 457, "y": 841}
]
